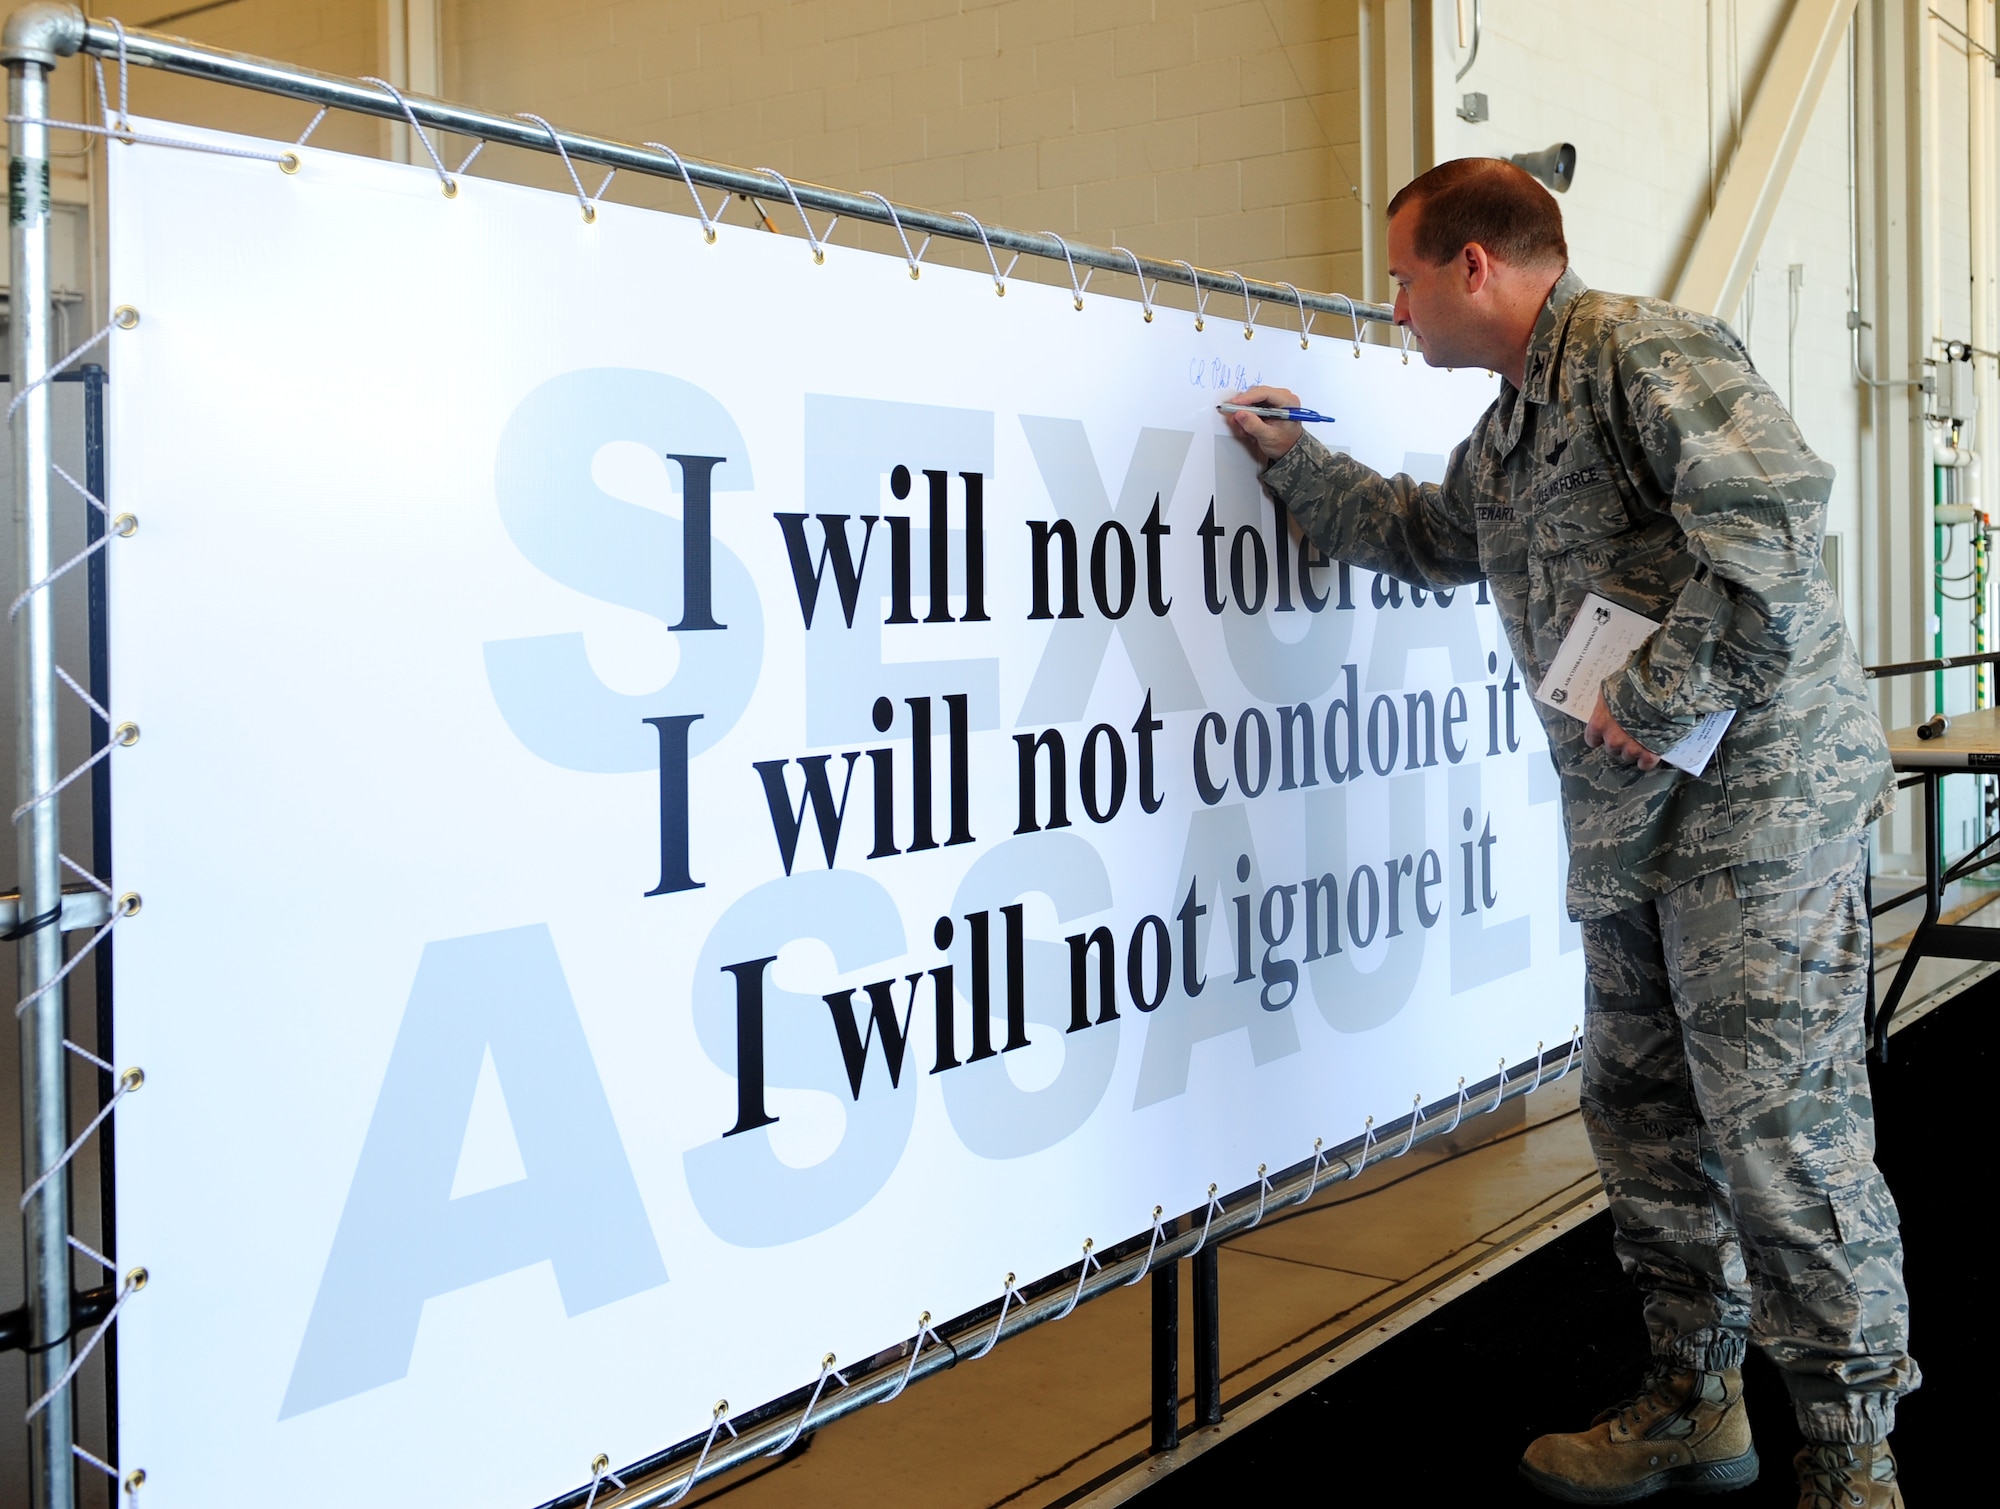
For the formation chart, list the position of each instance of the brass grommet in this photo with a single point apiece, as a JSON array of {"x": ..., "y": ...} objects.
[
  {"x": 1149, "y": 316},
  {"x": 125, "y": 317},
  {"x": 1000, "y": 291},
  {"x": 290, "y": 162},
  {"x": 133, "y": 1078},
  {"x": 451, "y": 188},
  {"x": 590, "y": 214},
  {"x": 1079, "y": 306},
  {"x": 915, "y": 273},
  {"x": 1010, "y": 1280},
  {"x": 924, "y": 1319},
  {"x": 600, "y": 1464},
  {"x": 129, "y": 904},
  {"x": 125, "y": 525},
  {"x": 819, "y": 257},
  {"x": 721, "y": 1408},
  {"x": 1088, "y": 1243},
  {"x": 1304, "y": 344},
  {"x": 826, "y": 1361},
  {"x": 125, "y": 735},
  {"x": 1197, "y": 324},
  {"x": 138, "y": 1278},
  {"x": 135, "y": 1480},
  {"x": 1248, "y": 332},
  {"x": 708, "y": 234},
  {"x": 1157, "y": 1209}
]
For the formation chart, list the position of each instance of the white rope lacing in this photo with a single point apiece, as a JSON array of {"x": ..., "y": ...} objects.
[
  {"x": 94, "y": 1255},
  {"x": 707, "y": 220},
  {"x": 587, "y": 201},
  {"x": 1457, "y": 1115},
  {"x": 80, "y": 771},
  {"x": 816, "y": 241},
  {"x": 1076, "y": 289},
  {"x": 1354, "y": 315},
  {"x": 74, "y": 561},
  {"x": 1367, "y": 1142},
  {"x": 924, "y": 1333},
  {"x": 124, "y": 82},
  {"x": 911, "y": 257},
  {"x": 1312, "y": 1179},
  {"x": 94, "y": 1460},
  {"x": 1214, "y": 1210},
  {"x": 132, "y": 1080},
  {"x": 1305, "y": 319},
  {"x": 1500, "y": 1094},
  {"x": 1200, "y": 293},
  {"x": 445, "y": 181},
  {"x": 119, "y": 910},
  {"x": 717, "y": 1423},
  {"x": 1263, "y": 1194},
  {"x": 49, "y": 376},
  {"x": 1145, "y": 297},
  {"x": 1575, "y": 1043},
  {"x": 999, "y": 277},
  {"x": 1249, "y": 309},
  {"x": 143, "y": 139},
  {"x": 1538, "y": 1069},
  {"x": 312, "y": 126},
  {"x": 134, "y": 1282},
  {"x": 1008, "y": 1296},
  {"x": 826, "y": 1371},
  {"x": 1151, "y": 1247},
  {"x": 1090, "y": 1264},
  {"x": 600, "y": 1473},
  {"x": 1406, "y": 345},
  {"x": 1416, "y": 1115}
]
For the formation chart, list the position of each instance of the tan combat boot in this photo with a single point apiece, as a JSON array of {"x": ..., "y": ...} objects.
[
  {"x": 1836, "y": 1475},
  {"x": 1685, "y": 1430}
]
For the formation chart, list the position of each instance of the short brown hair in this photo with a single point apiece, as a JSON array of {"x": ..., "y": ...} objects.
[{"x": 1489, "y": 201}]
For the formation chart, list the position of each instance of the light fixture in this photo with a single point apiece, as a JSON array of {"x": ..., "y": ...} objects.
[{"x": 1555, "y": 166}]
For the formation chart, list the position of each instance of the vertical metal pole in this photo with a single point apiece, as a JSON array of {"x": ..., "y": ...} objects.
[
  {"x": 1166, "y": 1357},
  {"x": 44, "y": 1108},
  {"x": 1207, "y": 1337}
]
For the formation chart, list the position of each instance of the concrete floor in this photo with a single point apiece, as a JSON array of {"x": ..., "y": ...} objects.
[{"x": 1057, "y": 1417}]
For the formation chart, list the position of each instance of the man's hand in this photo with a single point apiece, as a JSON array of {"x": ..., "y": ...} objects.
[
  {"x": 1272, "y": 437},
  {"x": 1603, "y": 729}
]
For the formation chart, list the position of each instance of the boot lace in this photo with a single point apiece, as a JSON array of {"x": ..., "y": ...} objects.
[
  {"x": 1824, "y": 1477},
  {"x": 1658, "y": 1398}
]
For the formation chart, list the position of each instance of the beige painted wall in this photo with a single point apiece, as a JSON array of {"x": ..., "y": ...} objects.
[{"x": 1225, "y": 132}]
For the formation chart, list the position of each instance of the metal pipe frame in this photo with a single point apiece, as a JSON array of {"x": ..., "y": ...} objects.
[
  {"x": 33, "y": 37},
  {"x": 145, "y": 49},
  {"x": 665, "y": 1478}
]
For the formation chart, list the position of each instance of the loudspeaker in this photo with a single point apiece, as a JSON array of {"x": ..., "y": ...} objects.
[{"x": 1555, "y": 166}]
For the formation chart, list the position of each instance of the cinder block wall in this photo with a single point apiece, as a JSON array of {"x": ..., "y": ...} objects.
[{"x": 1225, "y": 132}]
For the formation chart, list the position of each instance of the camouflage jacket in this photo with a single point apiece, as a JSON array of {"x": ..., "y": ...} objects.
[{"x": 1648, "y": 462}]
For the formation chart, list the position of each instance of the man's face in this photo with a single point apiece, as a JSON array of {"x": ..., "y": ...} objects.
[{"x": 1432, "y": 299}]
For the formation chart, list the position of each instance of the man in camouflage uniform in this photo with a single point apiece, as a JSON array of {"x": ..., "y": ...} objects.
[{"x": 1635, "y": 452}]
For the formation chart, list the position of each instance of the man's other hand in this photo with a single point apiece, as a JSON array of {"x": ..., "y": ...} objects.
[
  {"x": 1272, "y": 437},
  {"x": 1603, "y": 729}
]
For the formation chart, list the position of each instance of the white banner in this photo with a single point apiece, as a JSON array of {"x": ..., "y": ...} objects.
[{"x": 694, "y": 805}]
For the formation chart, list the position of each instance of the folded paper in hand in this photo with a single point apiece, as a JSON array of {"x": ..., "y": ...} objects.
[{"x": 1600, "y": 644}]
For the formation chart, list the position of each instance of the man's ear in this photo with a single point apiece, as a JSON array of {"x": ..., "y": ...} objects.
[{"x": 1476, "y": 266}]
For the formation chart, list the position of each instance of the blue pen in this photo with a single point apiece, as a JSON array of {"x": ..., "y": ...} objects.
[{"x": 1262, "y": 411}]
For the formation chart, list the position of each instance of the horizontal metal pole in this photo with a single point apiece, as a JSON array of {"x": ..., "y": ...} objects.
[
  {"x": 194, "y": 60},
  {"x": 661, "y": 1479},
  {"x": 1943, "y": 663},
  {"x": 82, "y": 907}
]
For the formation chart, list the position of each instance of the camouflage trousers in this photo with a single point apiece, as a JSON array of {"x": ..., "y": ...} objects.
[{"x": 1725, "y": 1092}]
